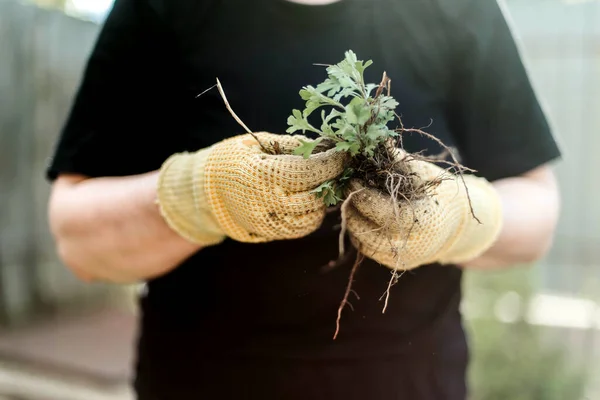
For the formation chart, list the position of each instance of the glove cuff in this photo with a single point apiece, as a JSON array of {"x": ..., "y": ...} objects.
[
  {"x": 475, "y": 237},
  {"x": 182, "y": 199}
]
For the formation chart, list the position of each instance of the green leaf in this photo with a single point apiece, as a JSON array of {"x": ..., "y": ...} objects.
[
  {"x": 351, "y": 56},
  {"x": 310, "y": 107},
  {"x": 346, "y": 75},
  {"x": 312, "y": 95},
  {"x": 369, "y": 150},
  {"x": 331, "y": 198},
  {"x": 306, "y": 148},
  {"x": 346, "y": 92},
  {"x": 376, "y": 132},
  {"x": 352, "y": 147},
  {"x": 298, "y": 122},
  {"x": 352, "y": 109},
  {"x": 384, "y": 117},
  {"x": 388, "y": 102},
  {"x": 332, "y": 114},
  {"x": 322, "y": 187},
  {"x": 392, "y": 133},
  {"x": 349, "y": 133},
  {"x": 305, "y": 93},
  {"x": 361, "y": 66},
  {"x": 328, "y": 192},
  {"x": 313, "y": 100},
  {"x": 326, "y": 128},
  {"x": 370, "y": 87},
  {"x": 343, "y": 146},
  {"x": 332, "y": 192},
  {"x": 364, "y": 115},
  {"x": 358, "y": 112},
  {"x": 346, "y": 175},
  {"x": 357, "y": 124},
  {"x": 330, "y": 86}
]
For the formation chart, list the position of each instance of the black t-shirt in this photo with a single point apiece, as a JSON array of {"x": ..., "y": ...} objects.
[{"x": 255, "y": 321}]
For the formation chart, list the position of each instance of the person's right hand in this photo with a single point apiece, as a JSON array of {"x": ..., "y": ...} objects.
[{"x": 235, "y": 189}]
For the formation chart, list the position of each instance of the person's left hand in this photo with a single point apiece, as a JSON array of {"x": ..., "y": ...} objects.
[{"x": 439, "y": 227}]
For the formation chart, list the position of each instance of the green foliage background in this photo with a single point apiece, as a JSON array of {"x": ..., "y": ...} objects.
[{"x": 516, "y": 361}]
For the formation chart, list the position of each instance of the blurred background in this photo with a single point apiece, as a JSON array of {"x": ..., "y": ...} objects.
[{"x": 534, "y": 330}]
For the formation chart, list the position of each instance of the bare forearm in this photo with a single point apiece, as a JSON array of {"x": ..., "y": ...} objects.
[
  {"x": 530, "y": 213},
  {"x": 110, "y": 229}
]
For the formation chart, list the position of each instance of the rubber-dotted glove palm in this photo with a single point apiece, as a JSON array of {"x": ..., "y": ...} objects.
[
  {"x": 235, "y": 189},
  {"x": 440, "y": 227}
]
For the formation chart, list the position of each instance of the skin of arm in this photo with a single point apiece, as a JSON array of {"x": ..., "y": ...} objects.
[
  {"x": 531, "y": 207},
  {"x": 110, "y": 229}
]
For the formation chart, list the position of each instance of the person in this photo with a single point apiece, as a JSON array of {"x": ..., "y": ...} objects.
[{"x": 153, "y": 183}]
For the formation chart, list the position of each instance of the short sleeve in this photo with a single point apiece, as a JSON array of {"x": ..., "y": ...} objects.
[
  {"x": 119, "y": 106},
  {"x": 500, "y": 126}
]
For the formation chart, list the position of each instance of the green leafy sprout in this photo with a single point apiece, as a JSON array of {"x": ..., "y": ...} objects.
[
  {"x": 356, "y": 122},
  {"x": 332, "y": 192}
]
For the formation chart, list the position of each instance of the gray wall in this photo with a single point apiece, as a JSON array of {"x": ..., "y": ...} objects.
[
  {"x": 561, "y": 45},
  {"x": 42, "y": 55}
]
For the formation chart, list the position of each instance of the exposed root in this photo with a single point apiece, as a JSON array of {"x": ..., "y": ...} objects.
[
  {"x": 393, "y": 280},
  {"x": 359, "y": 258},
  {"x": 393, "y": 177},
  {"x": 393, "y": 187},
  {"x": 344, "y": 226},
  {"x": 276, "y": 149},
  {"x": 207, "y": 90},
  {"x": 459, "y": 167}
]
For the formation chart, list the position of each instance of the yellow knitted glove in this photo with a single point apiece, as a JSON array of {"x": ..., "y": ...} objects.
[
  {"x": 439, "y": 228},
  {"x": 235, "y": 189}
]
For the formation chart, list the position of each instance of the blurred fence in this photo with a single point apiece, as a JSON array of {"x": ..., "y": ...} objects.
[
  {"x": 42, "y": 55},
  {"x": 561, "y": 45},
  {"x": 560, "y": 42}
]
